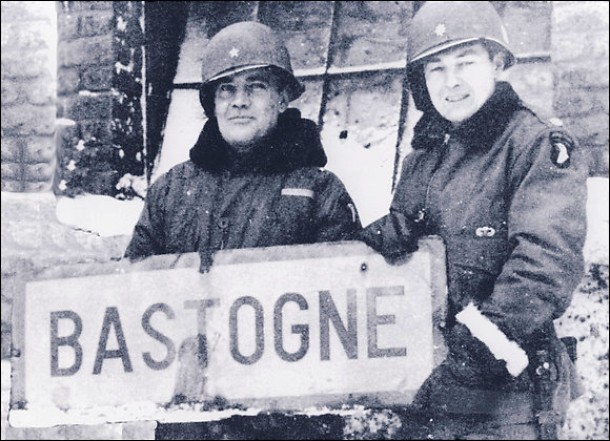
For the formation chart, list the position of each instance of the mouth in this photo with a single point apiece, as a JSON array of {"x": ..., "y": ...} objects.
[
  {"x": 241, "y": 119},
  {"x": 456, "y": 98}
]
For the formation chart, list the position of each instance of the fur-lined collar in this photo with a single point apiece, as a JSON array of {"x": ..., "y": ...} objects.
[
  {"x": 481, "y": 130},
  {"x": 294, "y": 143}
]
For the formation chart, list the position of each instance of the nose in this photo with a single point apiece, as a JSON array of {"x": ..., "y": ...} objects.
[
  {"x": 452, "y": 78},
  {"x": 241, "y": 98}
]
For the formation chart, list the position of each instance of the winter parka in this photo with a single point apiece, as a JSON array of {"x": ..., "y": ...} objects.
[
  {"x": 276, "y": 194},
  {"x": 506, "y": 191}
]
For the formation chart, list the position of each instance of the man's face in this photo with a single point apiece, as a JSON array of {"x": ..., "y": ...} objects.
[
  {"x": 247, "y": 106},
  {"x": 460, "y": 80}
]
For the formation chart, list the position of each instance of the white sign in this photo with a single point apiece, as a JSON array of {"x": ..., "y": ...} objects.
[{"x": 274, "y": 328}]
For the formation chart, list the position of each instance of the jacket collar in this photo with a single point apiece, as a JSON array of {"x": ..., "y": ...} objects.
[
  {"x": 294, "y": 143},
  {"x": 479, "y": 131}
]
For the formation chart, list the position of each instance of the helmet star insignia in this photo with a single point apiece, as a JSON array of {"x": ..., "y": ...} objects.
[{"x": 440, "y": 29}]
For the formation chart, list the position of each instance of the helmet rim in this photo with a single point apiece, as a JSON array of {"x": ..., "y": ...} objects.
[{"x": 510, "y": 58}]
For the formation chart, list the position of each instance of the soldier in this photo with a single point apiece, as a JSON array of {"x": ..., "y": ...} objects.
[
  {"x": 506, "y": 191},
  {"x": 254, "y": 177}
]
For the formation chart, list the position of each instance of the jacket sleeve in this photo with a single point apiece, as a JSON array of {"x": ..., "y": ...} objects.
[
  {"x": 148, "y": 235},
  {"x": 336, "y": 214},
  {"x": 396, "y": 233},
  {"x": 547, "y": 229}
]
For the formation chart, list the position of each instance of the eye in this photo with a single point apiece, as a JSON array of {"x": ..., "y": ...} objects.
[
  {"x": 434, "y": 68},
  {"x": 257, "y": 86},
  {"x": 466, "y": 63},
  {"x": 225, "y": 90}
]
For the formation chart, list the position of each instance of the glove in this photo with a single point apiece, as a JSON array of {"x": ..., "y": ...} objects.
[{"x": 471, "y": 361}]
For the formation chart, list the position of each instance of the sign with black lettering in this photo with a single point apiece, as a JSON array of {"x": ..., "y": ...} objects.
[{"x": 274, "y": 328}]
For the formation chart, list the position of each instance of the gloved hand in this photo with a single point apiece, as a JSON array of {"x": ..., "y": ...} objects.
[
  {"x": 471, "y": 362},
  {"x": 394, "y": 236}
]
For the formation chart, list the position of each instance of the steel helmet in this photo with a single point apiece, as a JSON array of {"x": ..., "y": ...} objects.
[
  {"x": 440, "y": 25},
  {"x": 243, "y": 46}
]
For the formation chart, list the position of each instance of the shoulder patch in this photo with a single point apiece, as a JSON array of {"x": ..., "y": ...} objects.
[{"x": 561, "y": 148}]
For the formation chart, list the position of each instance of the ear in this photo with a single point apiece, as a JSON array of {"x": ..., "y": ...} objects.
[
  {"x": 284, "y": 101},
  {"x": 499, "y": 62}
]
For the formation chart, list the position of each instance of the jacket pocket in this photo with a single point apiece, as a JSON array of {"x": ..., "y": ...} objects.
[
  {"x": 473, "y": 266},
  {"x": 292, "y": 219}
]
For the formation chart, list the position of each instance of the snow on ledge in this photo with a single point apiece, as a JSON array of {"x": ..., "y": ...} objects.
[{"x": 103, "y": 215}]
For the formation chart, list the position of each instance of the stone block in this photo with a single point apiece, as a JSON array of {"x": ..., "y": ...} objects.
[
  {"x": 11, "y": 149},
  {"x": 29, "y": 64},
  {"x": 11, "y": 170},
  {"x": 43, "y": 90},
  {"x": 98, "y": 130},
  {"x": 41, "y": 172},
  {"x": 68, "y": 80},
  {"x": 28, "y": 119},
  {"x": 99, "y": 431},
  {"x": 50, "y": 433},
  {"x": 99, "y": 23},
  {"x": 90, "y": 106},
  {"x": 22, "y": 36},
  {"x": 8, "y": 184},
  {"x": 26, "y": 10},
  {"x": 101, "y": 182},
  {"x": 67, "y": 26},
  {"x": 86, "y": 51},
  {"x": 11, "y": 92},
  {"x": 37, "y": 187},
  {"x": 40, "y": 90},
  {"x": 39, "y": 149},
  {"x": 91, "y": 6},
  {"x": 97, "y": 77}
]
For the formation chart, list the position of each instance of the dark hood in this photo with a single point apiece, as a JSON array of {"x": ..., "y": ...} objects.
[
  {"x": 294, "y": 143},
  {"x": 481, "y": 129}
]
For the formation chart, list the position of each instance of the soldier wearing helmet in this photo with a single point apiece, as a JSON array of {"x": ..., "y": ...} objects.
[
  {"x": 255, "y": 175},
  {"x": 506, "y": 191}
]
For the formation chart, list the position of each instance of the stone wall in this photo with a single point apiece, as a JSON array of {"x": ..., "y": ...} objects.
[
  {"x": 580, "y": 64},
  {"x": 99, "y": 90},
  {"x": 28, "y": 95}
]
